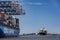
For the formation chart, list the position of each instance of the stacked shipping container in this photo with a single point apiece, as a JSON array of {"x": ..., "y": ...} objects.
[{"x": 9, "y": 20}]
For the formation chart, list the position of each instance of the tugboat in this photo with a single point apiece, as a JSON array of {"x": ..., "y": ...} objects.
[{"x": 43, "y": 31}]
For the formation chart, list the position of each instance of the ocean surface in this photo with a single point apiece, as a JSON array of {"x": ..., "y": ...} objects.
[{"x": 34, "y": 37}]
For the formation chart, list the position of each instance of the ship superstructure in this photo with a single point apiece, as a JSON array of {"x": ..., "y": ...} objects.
[{"x": 9, "y": 24}]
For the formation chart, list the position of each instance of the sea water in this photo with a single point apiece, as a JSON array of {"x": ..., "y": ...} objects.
[
  {"x": 34, "y": 37},
  {"x": 40, "y": 37}
]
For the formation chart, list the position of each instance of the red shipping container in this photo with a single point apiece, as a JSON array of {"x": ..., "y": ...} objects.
[{"x": 2, "y": 15}]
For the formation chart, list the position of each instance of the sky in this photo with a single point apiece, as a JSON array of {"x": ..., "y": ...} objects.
[{"x": 39, "y": 14}]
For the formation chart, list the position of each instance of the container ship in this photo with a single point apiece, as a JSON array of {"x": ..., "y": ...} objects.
[{"x": 9, "y": 24}]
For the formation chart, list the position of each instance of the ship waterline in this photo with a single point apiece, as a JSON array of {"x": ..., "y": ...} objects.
[{"x": 6, "y": 31}]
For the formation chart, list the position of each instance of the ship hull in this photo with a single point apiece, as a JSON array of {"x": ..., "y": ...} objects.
[{"x": 7, "y": 31}]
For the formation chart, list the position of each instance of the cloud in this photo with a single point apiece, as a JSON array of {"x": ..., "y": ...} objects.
[{"x": 33, "y": 3}]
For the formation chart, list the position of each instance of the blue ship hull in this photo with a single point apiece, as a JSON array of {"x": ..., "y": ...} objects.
[{"x": 6, "y": 31}]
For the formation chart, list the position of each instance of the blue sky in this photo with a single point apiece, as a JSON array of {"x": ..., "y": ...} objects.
[{"x": 39, "y": 14}]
